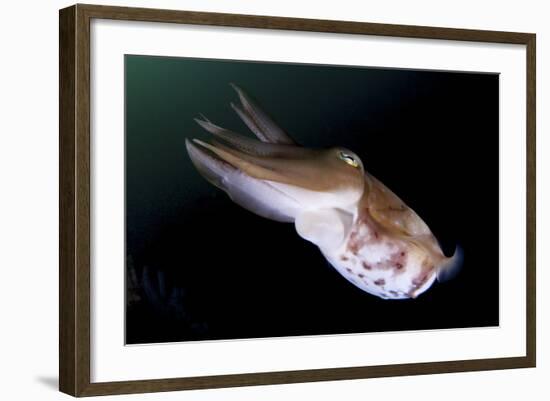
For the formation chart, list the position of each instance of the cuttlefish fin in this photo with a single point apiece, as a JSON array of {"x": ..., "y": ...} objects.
[
  {"x": 326, "y": 228},
  {"x": 451, "y": 266},
  {"x": 258, "y": 121},
  {"x": 391, "y": 212}
]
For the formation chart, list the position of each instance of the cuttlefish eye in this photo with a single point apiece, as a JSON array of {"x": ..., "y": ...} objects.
[{"x": 348, "y": 158}]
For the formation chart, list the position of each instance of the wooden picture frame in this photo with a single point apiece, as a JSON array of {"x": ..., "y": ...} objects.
[{"x": 74, "y": 206}]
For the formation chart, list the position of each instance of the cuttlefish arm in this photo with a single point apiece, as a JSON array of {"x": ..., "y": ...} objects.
[
  {"x": 257, "y": 196},
  {"x": 329, "y": 197},
  {"x": 258, "y": 121}
]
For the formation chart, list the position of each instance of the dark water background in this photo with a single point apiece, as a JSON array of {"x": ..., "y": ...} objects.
[{"x": 200, "y": 267}]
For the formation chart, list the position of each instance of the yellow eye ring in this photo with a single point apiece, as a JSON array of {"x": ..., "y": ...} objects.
[{"x": 349, "y": 159}]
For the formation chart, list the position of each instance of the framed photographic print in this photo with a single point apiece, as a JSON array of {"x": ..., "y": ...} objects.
[{"x": 252, "y": 200}]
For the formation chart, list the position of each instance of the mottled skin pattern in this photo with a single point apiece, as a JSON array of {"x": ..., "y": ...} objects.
[
  {"x": 392, "y": 261},
  {"x": 380, "y": 264}
]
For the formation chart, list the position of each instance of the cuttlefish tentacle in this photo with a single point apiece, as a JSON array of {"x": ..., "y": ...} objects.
[{"x": 363, "y": 229}]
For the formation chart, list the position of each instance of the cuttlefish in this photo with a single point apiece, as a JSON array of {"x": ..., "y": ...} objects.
[{"x": 365, "y": 231}]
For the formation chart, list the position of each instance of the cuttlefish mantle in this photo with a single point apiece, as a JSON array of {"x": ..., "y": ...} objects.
[{"x": 369, "y": 235}]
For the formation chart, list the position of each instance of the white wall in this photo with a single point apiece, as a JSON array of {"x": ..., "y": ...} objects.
[{"x": 28, "y": 201}]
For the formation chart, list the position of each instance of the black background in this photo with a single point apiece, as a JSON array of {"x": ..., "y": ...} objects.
[{"x": 200, "y": 267}]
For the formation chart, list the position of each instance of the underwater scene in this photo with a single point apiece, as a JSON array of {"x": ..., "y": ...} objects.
[{"x": 278, "y": 199}]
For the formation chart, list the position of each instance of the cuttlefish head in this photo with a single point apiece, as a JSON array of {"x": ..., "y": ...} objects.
[{"x": 277, "y": 179}]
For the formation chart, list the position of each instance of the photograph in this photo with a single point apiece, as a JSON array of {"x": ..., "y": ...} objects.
[{"x": 276, "y": 199}]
